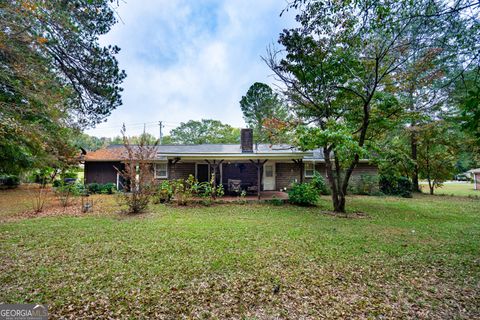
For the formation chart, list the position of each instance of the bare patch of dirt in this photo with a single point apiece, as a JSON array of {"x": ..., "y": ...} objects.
[{"x": 348, "y": 215}]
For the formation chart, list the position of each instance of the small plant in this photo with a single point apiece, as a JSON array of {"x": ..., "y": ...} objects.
[
  {"x": 39, "y": 198},
  {"x": 183, "y": 190},
  {"x": 220, "y": 191},
  {"x": 242, "y": 197},
  {"x": 164, "y": 192},
  {"x": 303, "y": 194},
  {"x": 209, "y": 189},
  {"x": 64, "y": 193}
]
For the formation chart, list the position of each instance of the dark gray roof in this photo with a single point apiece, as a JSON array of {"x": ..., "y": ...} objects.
[
  {"x": 117, "y": 151},
  {"x": 223, "y": 148}
]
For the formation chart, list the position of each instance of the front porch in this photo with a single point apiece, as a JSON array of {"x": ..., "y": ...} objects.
[{"x": 260, "y": 178}]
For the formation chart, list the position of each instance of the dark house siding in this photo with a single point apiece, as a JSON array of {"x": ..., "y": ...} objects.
[
  {"x": 101, "y": 172},
  {"x": 286, "y": 174},
  {"x": 181, "y": 170}
]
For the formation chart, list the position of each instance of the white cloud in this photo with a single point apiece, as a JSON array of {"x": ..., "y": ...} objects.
[{"x": 186, "y": 60}]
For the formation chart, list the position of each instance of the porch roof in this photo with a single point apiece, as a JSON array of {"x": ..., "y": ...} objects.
[{"x": 209, "y": 151}]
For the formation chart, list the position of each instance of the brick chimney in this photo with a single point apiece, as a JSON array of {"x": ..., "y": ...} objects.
[{"x": 246, "y": 140}]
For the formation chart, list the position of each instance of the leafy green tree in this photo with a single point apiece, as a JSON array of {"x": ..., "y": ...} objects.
[
  {"x": 340, "y": 69},
  {"x": 167, "y": 139},
  {"x": 437, "y": 153},
  {"x": 55, "y": 77},
  {"x": 204, "y": 131},
  {"x": 259, "y": 105},
  {"x": 466, "y": 97},
  {"x": 90, "y": 143}
]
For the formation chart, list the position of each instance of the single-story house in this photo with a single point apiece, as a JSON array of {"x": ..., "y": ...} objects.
[
  {"x": 256, "y": 168},
  {"x": 476, "y": 178}
]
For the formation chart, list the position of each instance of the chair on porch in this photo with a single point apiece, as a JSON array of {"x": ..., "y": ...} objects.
[{"x": 234, "y": 186}]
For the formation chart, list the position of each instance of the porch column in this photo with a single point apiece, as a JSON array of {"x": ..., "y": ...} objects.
[
  {"x": 259, "y": 165},
  {"x": 301, "y": 167},
  {"x": 171, "y": 170}
]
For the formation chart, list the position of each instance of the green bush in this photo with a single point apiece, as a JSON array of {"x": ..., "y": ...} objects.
[
  {"x": 397, "y": 186},
  {"x": 303, "y": 194},
  {"x": 367, "y": 184},
  {"x": 163, "y": 192},
  {"x": 318, "y": 182},
  {"x": 107, "y": 188},
  {"x": 9, "y": 181},
  {"x": 183, "y": 190},
  {"x": 93, "y": 187},
  {"x": 75, "y": 189},
  {"x": 208, "y": 189}
]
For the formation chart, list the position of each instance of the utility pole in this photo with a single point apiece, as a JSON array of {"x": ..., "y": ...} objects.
[{"x": 161, "y": 135}]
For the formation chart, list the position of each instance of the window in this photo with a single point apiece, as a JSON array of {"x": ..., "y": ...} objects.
[
  {"x": 269, "y": 171},
  {"x": 309, "y": 169},
  {"x": 161, "y": 170}
]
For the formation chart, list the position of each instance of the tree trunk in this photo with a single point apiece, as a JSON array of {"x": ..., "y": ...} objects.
[
  {"x": 431, "y": 185},
  {"x": 340, "y": 205},
  {"x": 413, "y": 144},
  {"x": 338, "y": 197}
]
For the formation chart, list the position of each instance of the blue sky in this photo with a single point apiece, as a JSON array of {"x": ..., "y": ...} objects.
[{"x": 190, "y": 59}]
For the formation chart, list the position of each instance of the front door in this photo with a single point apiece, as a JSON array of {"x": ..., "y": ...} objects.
[
  {"x": 203, "y": 172},
  {"x": 269, "y": 176}
]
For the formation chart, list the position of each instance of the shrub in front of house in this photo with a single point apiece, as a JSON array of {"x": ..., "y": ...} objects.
[
  {"x": 98, "y": 188},
  {"x": 318, "y": 182},
  {"x": 183, "y": 190},
  {"x": 163, "y": 192},
  {"x": 9, "y": 181},
  {"x": 107, "y": 188},
  {"x": 93, "y": 188},
  {"x": 366, "y": 184},
  {"x": 209, "y": 189},
  {"x": 303, "y": 194},
  {"x": 396, "y": 186}
]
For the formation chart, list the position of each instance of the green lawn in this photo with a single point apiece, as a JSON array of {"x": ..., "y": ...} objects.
[
  {"x": 417, "y": 258},
  {"x": 454, "y": 189}
]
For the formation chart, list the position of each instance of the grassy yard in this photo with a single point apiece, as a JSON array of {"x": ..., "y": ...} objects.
[
  {"x": 417, "y": 258},
  {"x": 454, "y": 189}
]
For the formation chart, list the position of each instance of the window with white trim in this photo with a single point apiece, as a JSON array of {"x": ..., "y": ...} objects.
[
  {"x": 269, "y": 171},
  {"x": 161, "y": 170},
  {"x": 309, "y": 169}
]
